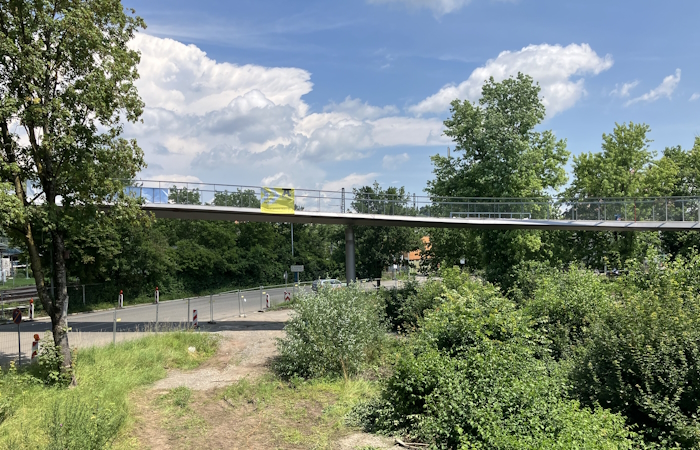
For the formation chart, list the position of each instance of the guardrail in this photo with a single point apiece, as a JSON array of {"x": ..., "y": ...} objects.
[{"x": 683, "y": 209}]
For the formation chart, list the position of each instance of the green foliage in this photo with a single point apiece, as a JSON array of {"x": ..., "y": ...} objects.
[
  {"x": 499, "y": 155},
  {"x": 76, "y": 424},
  {"x": 565, "y": 304},
  {"x": 334, "y": 333},
  {"x": 380, "y": 247},
  {"x": 472, "y": 377},
  {"x": 48, "y": 369},
  {"x": 405, "y": 306},
  {"x": 643, "y": 358},
  {"x": 92, "y": 413}
]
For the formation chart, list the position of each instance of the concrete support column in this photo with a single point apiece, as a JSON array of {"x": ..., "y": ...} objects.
[{"x": 349, "y": 254}]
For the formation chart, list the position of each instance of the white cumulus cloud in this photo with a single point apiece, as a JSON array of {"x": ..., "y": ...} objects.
[
  {"x": 624, "y": 90},
  {"x": 249, "y": 123},
  {"x": 438, "y": 7},
  {"x": 665, "y": 89},
  {"x": 393, "y": 161},
  {"x": 559, "y": 71},
  {"x": 695, "y": 96}
]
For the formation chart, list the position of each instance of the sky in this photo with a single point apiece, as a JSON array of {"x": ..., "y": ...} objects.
[{"x": 329, "y": 95}]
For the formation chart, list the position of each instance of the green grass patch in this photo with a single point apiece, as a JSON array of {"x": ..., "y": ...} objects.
[
  {"x": 96, "y": 412},
  {"x": 304, "y": 414}
]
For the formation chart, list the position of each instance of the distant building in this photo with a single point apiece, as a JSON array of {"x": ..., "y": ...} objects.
[{"x": 415, "y": 257}]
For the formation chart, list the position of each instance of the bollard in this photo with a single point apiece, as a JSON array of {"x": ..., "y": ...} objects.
[
  {"x": 121, "y": 299},
  {"x": 31, "y": 309},
  {"x": 267, "y": 300},
  {"x": 35, "y": 348},
  {"x": 211, "y": 308},
  {"x": 157, "y": 296},
  {"x": 195, "y": 322}
]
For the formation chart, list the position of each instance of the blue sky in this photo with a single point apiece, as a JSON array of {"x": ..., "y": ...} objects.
[{"x": 322, "y": 94}]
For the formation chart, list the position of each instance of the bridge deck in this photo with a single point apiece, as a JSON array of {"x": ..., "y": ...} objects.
[{"x": 209, "y": 212}]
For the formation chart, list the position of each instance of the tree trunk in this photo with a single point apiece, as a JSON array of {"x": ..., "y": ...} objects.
[{"x": 59, "y": 316}]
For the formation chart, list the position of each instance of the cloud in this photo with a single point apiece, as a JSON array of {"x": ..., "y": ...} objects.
[
  {"x": 217, "y": 119},
  {"x": 353, "y": 180},
  {"x": 393, "y": 161},
  {"x": 438, "y": 7},
  {"x": 554, "y": 67},
  {"x": 624, "y": 90},
  {"x": 694, "y": 97},
  {"x": 354, "y": 107},
  {"x": 665, "y": 89}
]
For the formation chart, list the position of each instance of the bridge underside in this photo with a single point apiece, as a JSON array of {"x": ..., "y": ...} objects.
[{"x": 208, "y": 212}]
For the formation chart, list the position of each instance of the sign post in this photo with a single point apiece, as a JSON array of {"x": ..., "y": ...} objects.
[{"x": 17, "y": 318}]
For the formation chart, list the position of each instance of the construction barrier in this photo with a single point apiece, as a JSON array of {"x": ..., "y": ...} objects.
[
  {"x": 35, "y": 348},
  {"x": 287, "y": 296},
  {"x": 195, "y": 323}
]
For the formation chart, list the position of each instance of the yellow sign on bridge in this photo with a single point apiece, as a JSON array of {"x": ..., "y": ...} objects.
[{"x": 277, "y": 200}]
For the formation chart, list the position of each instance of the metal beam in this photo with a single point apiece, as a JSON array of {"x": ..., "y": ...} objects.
[{"x": 209, "y": 212}]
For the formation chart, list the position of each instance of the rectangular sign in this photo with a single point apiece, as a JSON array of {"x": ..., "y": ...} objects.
[
  {"x": 276, "y": 200},
  {"x": 297, "y": 268}
]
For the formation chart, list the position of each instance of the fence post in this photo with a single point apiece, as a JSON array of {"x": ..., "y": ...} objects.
[{"x": 211, "y": 308}]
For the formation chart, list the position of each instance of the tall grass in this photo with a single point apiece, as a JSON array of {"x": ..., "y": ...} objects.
[{"x": 92, "y": 415}]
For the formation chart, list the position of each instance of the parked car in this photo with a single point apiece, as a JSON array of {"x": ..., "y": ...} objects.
[{"x": 328, "y": 283}]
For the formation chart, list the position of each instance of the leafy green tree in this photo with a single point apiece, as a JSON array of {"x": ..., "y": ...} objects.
[
  {"x": 243, "y": 198},
  {"x": 624, "y": 168},
  {"x": 379, "y": 247},
  {"x": 499, "y": 154},
  {"x": 66, "y": 83},
  {"x": 185, "y": 196}
]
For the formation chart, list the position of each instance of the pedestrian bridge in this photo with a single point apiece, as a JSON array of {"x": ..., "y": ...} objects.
[{"x": 204, "y": 201}]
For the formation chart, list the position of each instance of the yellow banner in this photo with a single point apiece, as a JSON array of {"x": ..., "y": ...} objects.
[{"x": 277, "y": 200}]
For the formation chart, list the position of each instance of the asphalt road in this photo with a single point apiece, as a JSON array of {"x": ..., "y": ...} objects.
[
  {"x": 94, "y": 328},
  {"x": 97, "y": 328}
]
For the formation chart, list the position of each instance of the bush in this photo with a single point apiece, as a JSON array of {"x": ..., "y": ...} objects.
[
  {"x": 333, "y": 333},
  {"x": 472, "y": 377},
  {"x": 404, "y": 307},
  {"x": 564, "y": 305},
  {"x": 643, "y": 359}
]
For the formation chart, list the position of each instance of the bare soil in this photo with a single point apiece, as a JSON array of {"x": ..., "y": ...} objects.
[{"x": 212, "y": 422}]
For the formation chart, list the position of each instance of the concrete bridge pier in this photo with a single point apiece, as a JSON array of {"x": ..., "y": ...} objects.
[{"x": 349, "y": 254}]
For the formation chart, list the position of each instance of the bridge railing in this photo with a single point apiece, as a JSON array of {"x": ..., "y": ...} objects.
[{"x": 682, "y": 209}]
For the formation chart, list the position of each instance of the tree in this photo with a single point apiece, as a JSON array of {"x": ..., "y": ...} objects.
[
  {"x": 624, "y": 168},
  {"x": 66, "y": 83},
  {"x": 379, "y": 247},
  {"x": 499, "y": 154}
]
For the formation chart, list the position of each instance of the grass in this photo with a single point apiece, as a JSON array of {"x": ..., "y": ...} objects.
[
  {"x": 16, "y": 283},
  {"x": 96, "y": 412},
  {"x": 298, "y": 414}
]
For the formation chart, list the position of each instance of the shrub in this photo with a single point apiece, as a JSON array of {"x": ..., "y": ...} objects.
[
  {"x": 564, "y": 305},
  {"x": 643, "y": 359},
  {"x": 404, "y": 307},
  {"x": 333, "y": 333},
  {"x": 472, "y": 377}
]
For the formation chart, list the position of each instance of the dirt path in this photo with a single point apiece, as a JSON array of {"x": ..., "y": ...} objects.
[{"x": 209, "y": 422}]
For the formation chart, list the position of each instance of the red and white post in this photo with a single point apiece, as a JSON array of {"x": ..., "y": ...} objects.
[
  {"x": 287, "y": 296},
  {"x": 121, "y": 299},
  {"x": 157, "y": 296},
  {"x": 35, "y": 347},
  {"x": 267, "y": 301},
  {"x": 31, "y": 309},
  {"x": 195, "y": 322}
]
